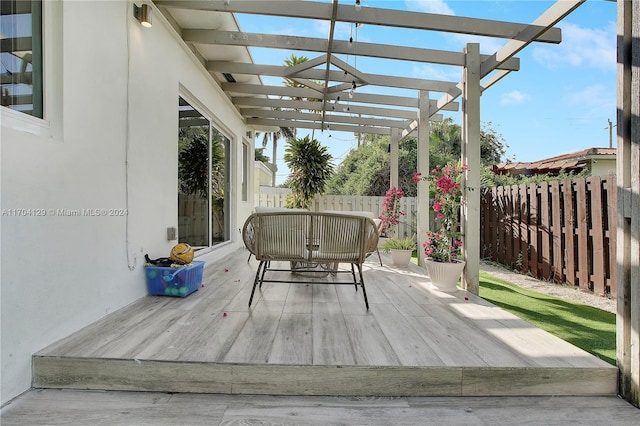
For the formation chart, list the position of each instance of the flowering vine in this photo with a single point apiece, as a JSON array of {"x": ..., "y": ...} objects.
[
  {"x": 391, "y": 212},
  {"x": 444, "y": 245}
]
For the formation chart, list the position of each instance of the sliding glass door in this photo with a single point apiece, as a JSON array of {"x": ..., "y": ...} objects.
[{"x": 203, "y": 180}]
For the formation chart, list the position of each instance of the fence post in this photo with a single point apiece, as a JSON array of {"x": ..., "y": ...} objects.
[
  {"x": 582, "y": 234},
  {"x": 533, "y": 230},
  {"x": 569, "y": 232},
  {"x": 597, "y": 237},
  {"x": 524, "y": 228},
  {"x": 556, "y": 232}
]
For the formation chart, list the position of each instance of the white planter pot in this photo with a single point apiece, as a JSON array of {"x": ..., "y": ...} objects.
[
  {"x": 444, "y": 275},
  {"x": 401, "y": 258}
]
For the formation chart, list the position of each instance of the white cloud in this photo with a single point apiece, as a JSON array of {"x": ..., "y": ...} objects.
[
  {"x": 514, "y": 97},
  {"x": 430, "y": 6},
  {"x": 581, "y": 47},
  {"x": 433, "y": 72},
  {"x": 596, "y": 94}
]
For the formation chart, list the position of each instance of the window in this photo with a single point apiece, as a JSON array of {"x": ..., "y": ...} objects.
[
  {"x": 245, "y": 171},
  {"x": 203, "y": 180},
  {"x": 21, "y": 56}
]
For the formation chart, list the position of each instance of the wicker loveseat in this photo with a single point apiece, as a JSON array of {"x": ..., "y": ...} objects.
[{"x": 318, "y": 240}]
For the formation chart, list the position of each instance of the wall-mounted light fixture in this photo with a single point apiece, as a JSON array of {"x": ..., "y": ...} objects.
[{"x": 143, "y": 14}]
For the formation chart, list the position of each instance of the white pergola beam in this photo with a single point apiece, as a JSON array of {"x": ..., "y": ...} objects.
[
  {"x": 285, "y": 42},
  {"x": 298, "y": 92},
  {"x": 335, "y": 76},
  {"x": 493, "y": 79},
  {"x": 311, "y": 63},
  {"x": 329, "y": 118},
  {"x": 317, "y": 106},
  {"x": 367, "y": 15},
  {"x": 316, "y": 125}
]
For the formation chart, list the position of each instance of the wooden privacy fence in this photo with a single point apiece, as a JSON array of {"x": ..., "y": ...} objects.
[
  {"x": 563, "y": 231},
  {"x": 407, "y": 226}
]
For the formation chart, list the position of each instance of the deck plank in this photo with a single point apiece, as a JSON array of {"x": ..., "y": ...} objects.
[
  {"x": 299, "y": 299},
  {"x": 293, "y": 341},
  {"x": 407, "y": 343},
  {"x": 331, "y": 343},
  {"x": 490, "y": 350},
  {"x": 370, "y": 345},
  {"x": 254, "y": 341}
]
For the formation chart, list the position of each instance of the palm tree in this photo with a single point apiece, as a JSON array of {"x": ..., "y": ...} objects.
[
  {"x": 446, "y": 137},
  {"x": 311, "y": 168},
  {"x": 285, "y": 133}
]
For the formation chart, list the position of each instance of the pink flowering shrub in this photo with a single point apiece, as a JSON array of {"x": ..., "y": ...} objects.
[
  {"x": 444, "y": 245},
  {"x": 391, "y": 212}
]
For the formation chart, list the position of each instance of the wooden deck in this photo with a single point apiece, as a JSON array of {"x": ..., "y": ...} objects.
[{"x": 304, "y": 339}]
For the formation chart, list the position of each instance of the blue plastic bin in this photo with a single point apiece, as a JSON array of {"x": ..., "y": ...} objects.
[{"x": 180, "y": 282}]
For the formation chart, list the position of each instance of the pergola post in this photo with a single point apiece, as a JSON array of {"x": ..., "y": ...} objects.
[
  {"x": 274, "y": 164},
  {"x": 628, "y": 182},
  {"x": 470, "y": 155},
  {"x": 394, "y": 148},
  {"x": 424, "y": 131}
]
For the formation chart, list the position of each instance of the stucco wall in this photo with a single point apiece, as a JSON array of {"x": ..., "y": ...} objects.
[
  {"x": 117, "y": 85},
  {"x": 603, "y": 166},
  {"x": 263, "y": 175}
]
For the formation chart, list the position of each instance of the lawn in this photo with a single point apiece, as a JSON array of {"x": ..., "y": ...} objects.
[{"x": 586, "y": 327}]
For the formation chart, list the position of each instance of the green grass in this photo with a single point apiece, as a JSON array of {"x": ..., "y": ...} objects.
[{"x": 586, "y": 327}]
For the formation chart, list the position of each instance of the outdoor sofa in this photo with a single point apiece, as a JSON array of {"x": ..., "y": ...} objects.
[{"x": 311, "y": 243}]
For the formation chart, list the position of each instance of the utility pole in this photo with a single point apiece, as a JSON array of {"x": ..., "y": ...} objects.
[{"x": 611, "y": 126}]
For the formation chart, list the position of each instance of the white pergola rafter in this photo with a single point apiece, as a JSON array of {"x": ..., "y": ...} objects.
[
  {"x": 297, "y": 92},
  {"x": 334, "y": 76},
  {"x": 372, "y": 50},
  {"x": 367, "y": 15}
]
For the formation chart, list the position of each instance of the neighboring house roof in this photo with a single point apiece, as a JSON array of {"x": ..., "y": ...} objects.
[{"x": 574, "y": 161}]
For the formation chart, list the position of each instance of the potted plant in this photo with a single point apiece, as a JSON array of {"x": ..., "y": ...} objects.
[
  {"x": 443, "y": 247},
  {"x": 390, "y": 216},
  {"x": 400, "y": 249}
]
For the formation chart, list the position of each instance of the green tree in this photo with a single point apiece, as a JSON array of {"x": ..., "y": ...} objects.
[
  {"x": 285, "y": 133},
  {"x": 445, "y": 138},
  {"x": 492, "y": 146},
  {"x": 311, "y": 167},
  {"x": 193, "y": 169},
  {"x": 260, "y": 156},
  {"x": 365, "y": 170}
]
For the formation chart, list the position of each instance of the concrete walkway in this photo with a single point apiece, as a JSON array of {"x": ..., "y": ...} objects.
[{"x": 97, "y": 408}]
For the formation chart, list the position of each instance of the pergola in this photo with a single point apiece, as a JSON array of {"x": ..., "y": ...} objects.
[
  {"x": 325, "y": 80},
  {"x": 210, "y": 29}
]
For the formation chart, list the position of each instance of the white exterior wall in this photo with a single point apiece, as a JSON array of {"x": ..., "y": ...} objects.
[
  {"x": 61, "y": 273},
  {"x": 603, "y": 166},
  {"x": 263, "y": 175}
]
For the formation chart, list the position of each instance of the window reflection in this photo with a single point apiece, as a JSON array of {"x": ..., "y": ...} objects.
[
  {"x": 202, "y": 180},
  {"x": 21, "y": 56}
]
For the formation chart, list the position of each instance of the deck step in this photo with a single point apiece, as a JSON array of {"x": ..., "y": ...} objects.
[{"x": 204, "y": 377}]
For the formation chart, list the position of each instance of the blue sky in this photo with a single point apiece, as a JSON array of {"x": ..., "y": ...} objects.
[{"x": 559, "y": 102}]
